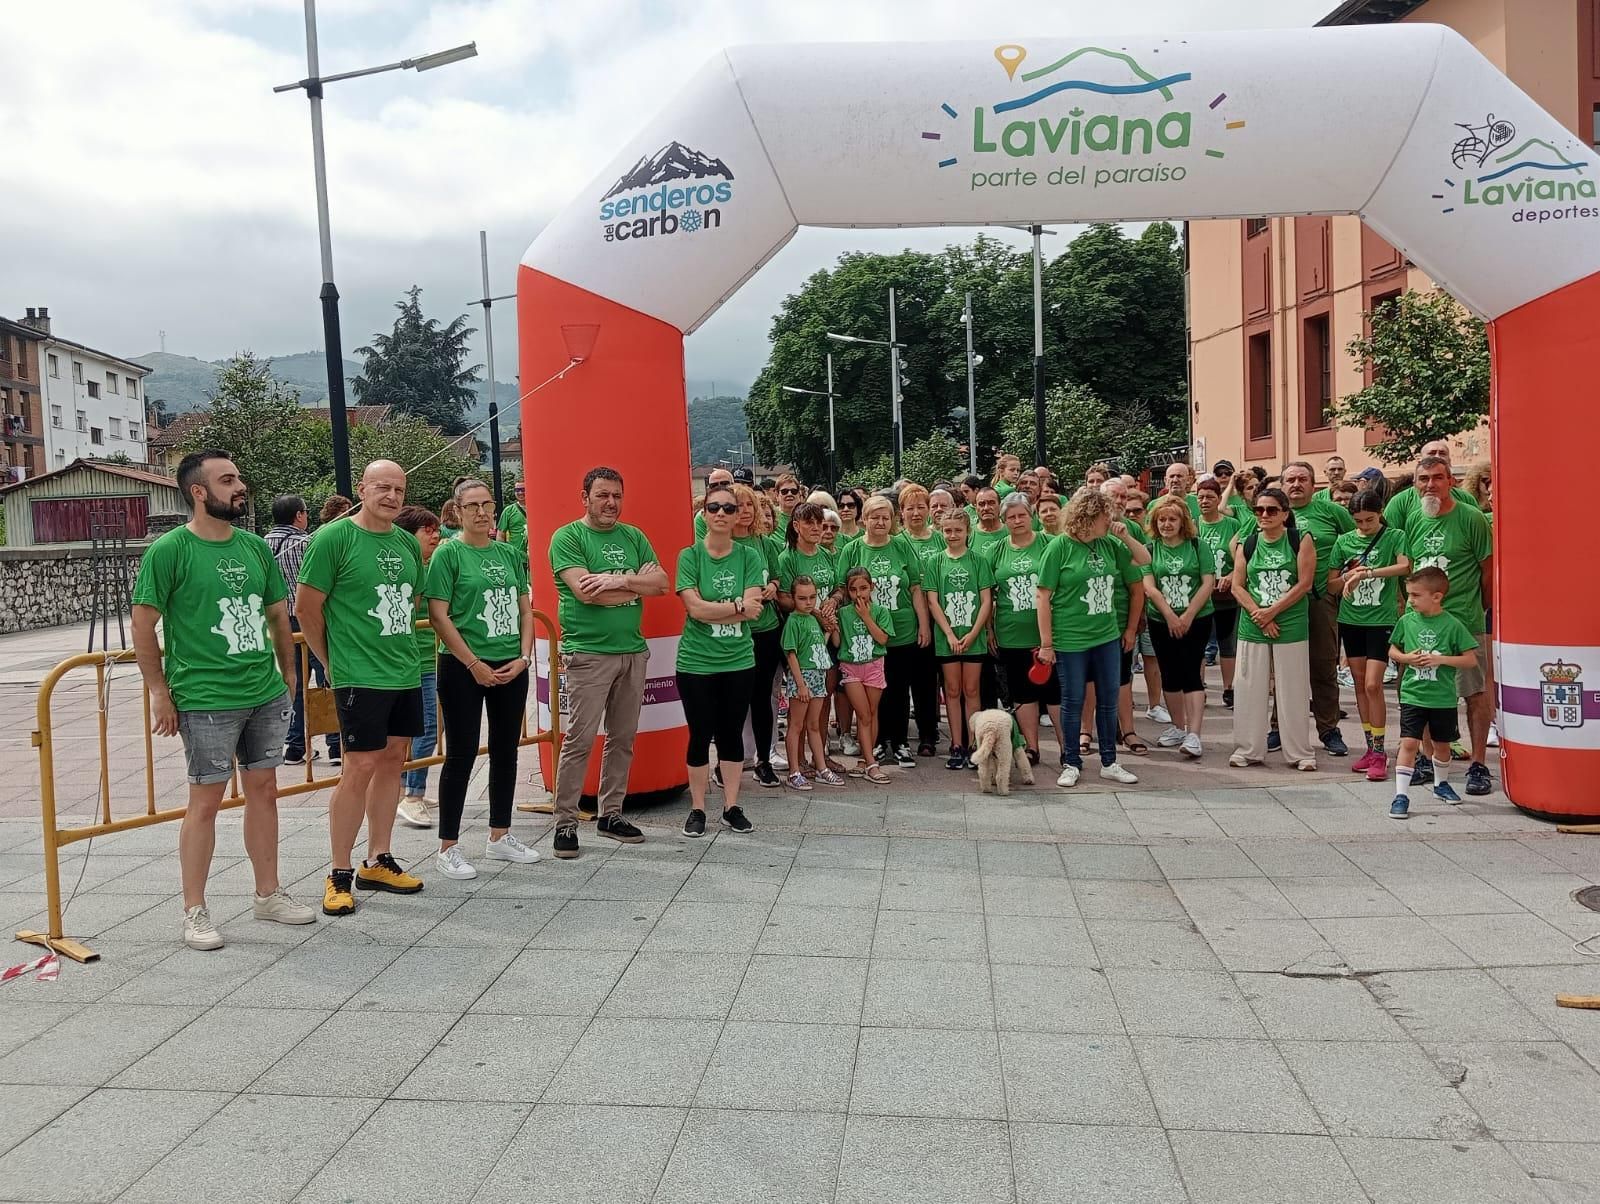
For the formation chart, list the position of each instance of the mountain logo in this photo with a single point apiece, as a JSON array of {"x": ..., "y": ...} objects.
[
  {"x": 1491, "y": 152},
  {"x": 646, "y": 202},
  {"x": 1048, "y": 116}
]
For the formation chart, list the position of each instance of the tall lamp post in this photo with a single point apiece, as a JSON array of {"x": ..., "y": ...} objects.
[
  {"x": 897, "y": 444},
  {"x": 972, "y": 401},
  {"x": 312, "y": 85},
  {"x": 833, "y": 474},
  {"x": 488, "y": 342}
]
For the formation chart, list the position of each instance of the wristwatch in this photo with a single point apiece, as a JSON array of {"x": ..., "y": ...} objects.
[{"x": 738, "y": 606}]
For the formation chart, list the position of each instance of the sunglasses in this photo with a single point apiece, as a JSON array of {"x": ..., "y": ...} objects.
[
  {"x": 1135, "y": 512},
  {"x": 788, "y": 493},
  {"x": 722, "y": 507},
  {"x": 1267, "y": 511}
]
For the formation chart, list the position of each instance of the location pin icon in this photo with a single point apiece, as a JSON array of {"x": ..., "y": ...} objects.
[{"x": 1011, "y": 57}]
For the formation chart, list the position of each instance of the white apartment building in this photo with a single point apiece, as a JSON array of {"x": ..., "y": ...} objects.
[{"x": 93, "y": 402}]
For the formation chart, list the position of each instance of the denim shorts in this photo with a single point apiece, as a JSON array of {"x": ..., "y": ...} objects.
[{"x": 214, "y": 740}]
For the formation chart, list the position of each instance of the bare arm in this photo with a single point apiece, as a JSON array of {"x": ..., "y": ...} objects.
[
  {"x": 308, "y": 602},
  {"x": 1130, "y": 633},
  {"x": 1046, "y": 620},
  {"x": 282, "y": 639},
  {"x": 1208, "y": 583},
  {"x": 593, "y": 588},
  {"x": 710, "y": 612},
  {"x": 920, "y": 605},
  {"x": 147, "y": 649}
]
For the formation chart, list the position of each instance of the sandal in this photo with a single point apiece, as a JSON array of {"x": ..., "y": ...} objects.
[
  {"x": 1084, "y": 743},
  {"x": 859, "y": 770},
  {"x": 1133, "y": 744},
  {"x": 876, "y": 776},
  {"x": 1033, "y": 758}
]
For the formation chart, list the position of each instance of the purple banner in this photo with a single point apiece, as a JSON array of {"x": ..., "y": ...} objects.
[
  {"x": 656, "y": 690},
  {"x": 1529, "y": 700}
]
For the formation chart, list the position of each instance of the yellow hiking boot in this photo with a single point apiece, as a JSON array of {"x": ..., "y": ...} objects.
[
  {"x": 384, "y": 873},
  {"x": 337, "y": 899}
]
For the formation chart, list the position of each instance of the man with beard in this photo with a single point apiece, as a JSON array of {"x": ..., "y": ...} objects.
[
  {"x": 1454, "y": 536},
  {"x": 223, "y": 684},
  {"x": 357, "y": 596},
  {"x": 603, "y": 569},
  {"x": 1403, "y": 506}
]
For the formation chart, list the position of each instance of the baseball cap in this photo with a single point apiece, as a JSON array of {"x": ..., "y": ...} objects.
[
  {"x": 744, "y": 476},
  {"x": 1369, "y": 474},
  {"x": 1220, "y": 465}
]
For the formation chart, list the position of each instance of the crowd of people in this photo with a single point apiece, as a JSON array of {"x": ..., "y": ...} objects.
[{"x": 862, "y": 618}]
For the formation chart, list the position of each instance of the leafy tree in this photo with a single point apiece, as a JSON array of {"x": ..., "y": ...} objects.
[
  {"x": 937, "y": 458},
  {"x": 1075, "y": 422},
  {"x": 715, "y": 425},
  {"x": 419, "y": 367},
  {"x": 1430, "y": 374}
]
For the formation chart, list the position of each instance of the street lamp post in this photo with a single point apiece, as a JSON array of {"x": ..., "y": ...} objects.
[
  {"x": 1038, "y": 347},
  {"x": 313, "y": 85},
  {"x": 894, "y": 346},
  {"x": 972, "y": 403},
  {"x": 488, "y": 345},
  {"x": 833, "y": 473}
]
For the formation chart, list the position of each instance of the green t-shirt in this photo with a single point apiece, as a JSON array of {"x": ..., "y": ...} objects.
[
  {"x": 514, "y": 522},
  {"x": 1457, "y": 542},
  {"x": 895, "y": 568},
  {"x": 1240, "y": 509},
  {"x": 844, "y": 538},
  {"x": 1177, "y": 573},
  {"x": 820, "y": 566},
  {"x": 1082, "y": 580},
  {"x": 213, "y": 599},
  {"x": 1217, "y": 539},
  {"x": 857, "y": 646},
  {"x": 1016, "y": 577},
  {"x": 802, "y": 635},
  {"x": 1324, "y": 521},
  {"x": 481, "y": 586},
  {"x": 1374, "y": 601},
  {"x": 586, "y": 627},
  {"x": 981, "y": 541},
  {"x": 449, "y": 532},
  {"x": 371, "y": 582},
  {"x": 718, "y": 647},
  {"x": 1407, "y": 504},
  {"x": 959, "y": 583},
  {"x": 767, "y": 547},
  {"x": 1434, "y": 688},
  {"x": 928, "y": 548},
  {"x": 1272, "y": 571},
  {"x": 1003, "y": 488}
]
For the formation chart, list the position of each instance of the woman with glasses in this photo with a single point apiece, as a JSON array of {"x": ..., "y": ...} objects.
[
  {"x": 1274, "y": 568},
  {"x": 928, "y": 543},
  {"x": 789, "y": 496},
  {"x": 1217, "y": 529},
  {"x": 478, "y": 602},
  {"x": 849, "y": 516},
  {"x": 721, "y": 584},
  {"x": 750, "y": 529}
]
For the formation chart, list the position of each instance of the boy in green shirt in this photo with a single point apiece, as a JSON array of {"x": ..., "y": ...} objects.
[{"x": 1430, "y": 645}]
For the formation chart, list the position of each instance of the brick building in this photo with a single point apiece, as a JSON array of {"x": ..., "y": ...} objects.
[{"x": 22, "y": 444}]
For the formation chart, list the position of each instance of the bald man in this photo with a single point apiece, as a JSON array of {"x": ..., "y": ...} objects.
[
  {"x": 356, "y": 604},
  {"x": 1403, "y": 506}
]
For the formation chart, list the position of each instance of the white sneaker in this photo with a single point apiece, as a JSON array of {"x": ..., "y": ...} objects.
[
  {"x": 413, "y": 811},
  {"x": 852, "y": 747},
  {"x": 1115, "y": 773},
  {"x": 1239, "y": 761},
  {"x": 452, "y": 864},
  {"x": 1044, "y": 719},
  {"x": 281, "y": 909},
  {"x": 198, "y": 930},
  {"x": 1069, "y": 776},
  {"x": 1390, "y": 674},
  {"x": 1191, "y": 745},
  {"x": 780, "y": 761},
  {"x": 1158, "y": 714},
  {"x": 1346, "y": 681},
  {"x": 1172, "y": 737},
  {"x": 1494, "y": 735},
  {"x": 509, "y": 848}
]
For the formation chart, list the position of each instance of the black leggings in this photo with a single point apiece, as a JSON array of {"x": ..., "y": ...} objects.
[
  {"x": 769, "y": 656},
  {"x": 1182, "y": 660},
  {"x": 926, "y": 683},
  {"x": 1225, "y": 620},
  {"x": 894, "y": 710},
  {"x": 714, "y": 707},
  {"x": 463, "y": 702}
]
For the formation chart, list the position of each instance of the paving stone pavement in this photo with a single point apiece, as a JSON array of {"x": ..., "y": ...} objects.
[{"x": 1244, "y": 989}]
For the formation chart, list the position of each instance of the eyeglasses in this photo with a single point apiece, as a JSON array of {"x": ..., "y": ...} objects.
[
  {"x": 722, "y": 507},
  {"x": 1268, "y": 511},
  {"x": 484, "y": 507},
  {"x": 1134, "y": 512}
]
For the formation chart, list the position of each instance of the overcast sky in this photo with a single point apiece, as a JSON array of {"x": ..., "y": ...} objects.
[{"x": 154, "y": 182}]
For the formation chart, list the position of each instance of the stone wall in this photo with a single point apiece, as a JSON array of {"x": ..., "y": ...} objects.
[{"x": 51, "y": 587}]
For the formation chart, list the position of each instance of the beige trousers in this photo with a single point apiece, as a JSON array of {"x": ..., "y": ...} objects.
[
  {"x": 599, "y": 686},
  {"x": 1260, "y": 665}
]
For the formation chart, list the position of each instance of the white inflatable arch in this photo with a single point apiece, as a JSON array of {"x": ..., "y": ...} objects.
[{"x": 1406, "y": 125}]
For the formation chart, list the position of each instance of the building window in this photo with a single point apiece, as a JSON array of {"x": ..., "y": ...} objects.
[
  {"x": 115, "y": 425},
  {"x": 22, "y": 360},
  {"x": 94, "y": 388},
  {"x": 60, "y": 455},
  {"x": 77, "y": 372},
  {"x": 133, "y": 431},
  {"x": 111, "y": 382},
  {"x": 55, "y": 367},
  {"x": 97, "y": 436},
  {"x": 83, "y": 421},
  {"x": 133, "y": 386},
  {"x": 1316, "y": 395},
  {"x": 55, "y": 417},
  {"x": 1258, "y": 385},
  {"x": 1254, "y": 226}
]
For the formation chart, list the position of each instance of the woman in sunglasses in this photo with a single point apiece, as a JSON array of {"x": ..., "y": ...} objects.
[
  {"x": 720, "y": 583},
  {"x": 790, "y": 495},
  {"x": 1274, "y": 568},
  {"x": 849, "y": 517}
]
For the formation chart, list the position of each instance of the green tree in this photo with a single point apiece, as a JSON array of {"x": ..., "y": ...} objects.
[
  {"x": 936, "y": 458},
  {"x": 715, "y": 425},
  {"x": 1075, "y": 426},
  {"x": 420, "y": 367},
  {"x": 1430, "y": 374}
]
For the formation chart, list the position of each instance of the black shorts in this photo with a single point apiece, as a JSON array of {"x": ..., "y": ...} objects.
[
  {"x": 1015, "y": 663},
  {"x": 965, "y": 658},
  {"x": 369, "y": 718},
  {"x": 1440, "y": 723},
  {"x": 1365, "y": 643}
]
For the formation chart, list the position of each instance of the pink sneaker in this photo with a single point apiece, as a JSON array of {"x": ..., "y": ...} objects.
[
  {"x": 1362, "y": 763},
  {"x": 1378, "y": 771}
]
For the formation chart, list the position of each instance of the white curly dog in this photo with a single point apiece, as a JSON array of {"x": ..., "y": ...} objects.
[{"x": 995, "y": 752}]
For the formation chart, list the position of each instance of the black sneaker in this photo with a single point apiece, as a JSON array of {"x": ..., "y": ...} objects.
[
  {"x": 294, "y": 758},
  {"x": 617, "y": 828},
  {"x": 734, "y": 817},
  {"x": 566, "y": 842},
  {"x": 765, "y": 776},
  {"x": 1478, "y": 779},
  {"x": 1334, "y": 743},
  {"x": 903, "y": 757},
  {"x": 958, "y": 758},
  {"x": 927, "y": 749},
  {"x": 695, "y": 825},
  {"x": 334, "y": 757},
  {"x": 1227, "y": 699},
  {"x": 1274, "y": 741},
  {"x": 1422, "y": 775}
]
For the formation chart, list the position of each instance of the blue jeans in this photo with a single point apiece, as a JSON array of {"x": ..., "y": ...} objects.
[
  {"x": 415, "y": 781},
  {"x": 1102, "y": 665},
  {"x": 295, "y": 741}
]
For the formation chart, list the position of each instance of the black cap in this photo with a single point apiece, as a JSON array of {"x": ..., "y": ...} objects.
[
  {"x": 744, "y": 476},
  {"x": 1222, "y": 464}
]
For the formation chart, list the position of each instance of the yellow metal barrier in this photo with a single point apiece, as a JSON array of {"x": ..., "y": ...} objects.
[{"x": 55, "y": 837}]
